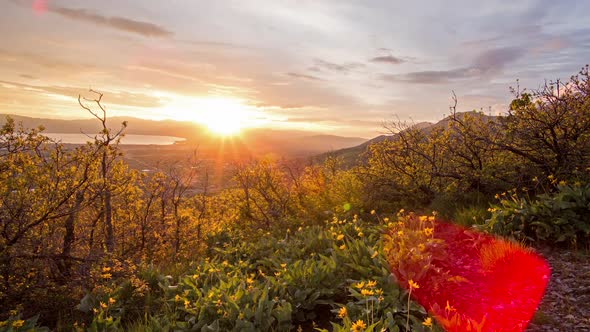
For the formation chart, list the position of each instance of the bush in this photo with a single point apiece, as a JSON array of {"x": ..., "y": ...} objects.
[{"x": 560, "y": 218}]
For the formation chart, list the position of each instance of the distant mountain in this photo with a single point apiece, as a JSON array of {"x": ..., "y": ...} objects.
[
  {"x": 254, "y": 141},
  {"x": 354, "y": 155}
]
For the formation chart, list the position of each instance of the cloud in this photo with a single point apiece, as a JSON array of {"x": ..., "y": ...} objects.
[
  {"x": 122, "y": 98},
  {"x": 120, "y": 23},
  {"x": 486, "y": 63},
  {"x": 344, "y": 68},
  {"x": 390, "y": 59},
  {"x": 304, "y": 76}
]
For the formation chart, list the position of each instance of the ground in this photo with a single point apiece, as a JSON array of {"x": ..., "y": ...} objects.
[{"x": 566, "y": 305}]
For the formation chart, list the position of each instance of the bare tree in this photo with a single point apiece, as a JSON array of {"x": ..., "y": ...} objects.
[{"x": 105, "y": 139}]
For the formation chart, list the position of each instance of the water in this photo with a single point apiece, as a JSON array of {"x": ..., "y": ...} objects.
[{"x": 127, "y": 139}]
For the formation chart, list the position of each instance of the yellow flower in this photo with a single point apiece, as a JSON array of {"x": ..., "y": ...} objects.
[
  {"x": 249, "y": 281},
  {"x": 284, "y": 265},
  {"x": 421, "y": 246},
  {"x": 342, "y": 247},
  {"x": 359, "y": 285},
  {"x": 360, "y": 234},
  {"x": 449, "y": 307},
  {"x": 299, "y": 229},
  {"x": 367, "y": 292},
  {"x": 385, "y": 220},
  {"x": 400, "y": 233},
  {"x": 427, "y": 322},
  {"x": 423, "y": 218},
  {"x": 103, "y": 305},
  {"x": 106, "y": 269},
  {"x": 372, "y": 212},
  {"x": 18, "y": 323},
  {"x": 187, "y": 303},
  {"x": 112, "y": 301},
  {"x": 372, "y": 284},
  {"x": 413, "y": 284},
  {"x": 342, "y": 312},
  {"x": 177, "y": 298},
  {"x": 359, "y": 326},
  {"x": 340, "y": 237},
  {"x": 428, "y": 231},
  {"x": 225, "y": 263},
  {"x": 106, "y": 276},
  {"x": 375, "y": 254}
]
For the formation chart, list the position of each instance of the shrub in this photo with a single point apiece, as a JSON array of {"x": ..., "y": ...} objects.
[{"x": 560, "y": 218}]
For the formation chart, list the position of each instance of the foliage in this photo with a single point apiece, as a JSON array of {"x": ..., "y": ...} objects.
[
  {"x": 562, "y": 217},
  {"x": 277, "y": 283}
]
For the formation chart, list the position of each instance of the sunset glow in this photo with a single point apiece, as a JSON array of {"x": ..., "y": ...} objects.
[{"x": 223, "y": 116}]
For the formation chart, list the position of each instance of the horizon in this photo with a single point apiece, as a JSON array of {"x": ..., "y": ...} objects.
[{"x": 326, "y": 67}]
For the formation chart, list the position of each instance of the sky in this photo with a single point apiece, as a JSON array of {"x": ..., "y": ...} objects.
[{"x": 333, "y": 66}]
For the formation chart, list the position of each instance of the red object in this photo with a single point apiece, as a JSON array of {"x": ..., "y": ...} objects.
[
  {"x": 477, "y": 282},
  {"x": 40, "y": 6}
]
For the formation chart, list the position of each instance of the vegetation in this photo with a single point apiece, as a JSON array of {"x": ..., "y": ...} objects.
[{"x": 87, "y": 242}]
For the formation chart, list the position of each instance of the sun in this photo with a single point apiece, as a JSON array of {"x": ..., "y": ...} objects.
[{"x": 223, "y": 116}]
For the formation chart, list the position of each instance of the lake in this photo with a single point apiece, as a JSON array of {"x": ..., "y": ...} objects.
[{"x": 126, "y": 140}]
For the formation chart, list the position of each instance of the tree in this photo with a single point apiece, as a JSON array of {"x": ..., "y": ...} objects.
[{"x": 108, "y": 143}]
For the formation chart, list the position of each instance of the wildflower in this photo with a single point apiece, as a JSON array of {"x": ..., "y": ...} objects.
[
  {"x": 413, "y": 284},
  {"x": 400, "y": 233},
  {"x": 106, "y": 269},
  {"x": 177, "y": 298},
  {"x": 375, "y": 254},
  {"x": 249, "y": 281},
  {"x": 379, "y": 291},
  {"x": 300, "y": 229},
  {"x": 428, "y": 231},
  {"x": 360, "y": 234},
  {"x": 421, "y": 247},
  {"x": 342, "y": 247},
  {"x": 359, "y": 285},
  {"x": 18, "y": 323},
  {"x": 427, "y": 322},
  {"x": 103, "y": 305},
  {"x": 225, "y": 263},
  {"x": 112, "y": 301},
  {"x": 241, "y": 315},
  {"x": 372, "y": 212},
  {"x": 372, "y": 284},
  {"x": 342, "y": 312},
  {"x": 367, "y": 292},
  {"x": 340, "y": 237},
  {"x": 284, "y": 265},
  {"x": 449, "y": 307},
  {"x": 187, "y": 303},
  {"x": 358, "y": 326},
  {"x": 106, "y": 276},
  {"x": 423, "y": 218},
  {"x": 385, "y": 220}
]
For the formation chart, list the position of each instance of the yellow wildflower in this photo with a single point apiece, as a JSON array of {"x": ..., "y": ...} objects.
[
  {"x": 112, "y": 301},
  {"x": 106, "y": 276},
  {"x": 18, "y": 323},
  {"x": 103, "y": 305},
  {"x": 340, "y": 237},
  {"x": 427, "y": 322},
  {"x": 249, "y": 281},
  {"x": 360, "y": 234},
  {"x": 428, "y": 231},
  {"x": 342, "y": 312},
  {"x": 372, "y": 284},
  {"x": 367, "y": 292},
  {"x": 359, "y": 285},
  {"x": 400, "y": 233},
  {"x": 375, "y": 254},
  {"x": 421, "y": 247},
  {"x": 372, "y": 212},
  {"x": 359, "y": 326},
  {"x": 449, "y": 307},
  {"x": 413, "y": 284},
  {"x": 177, "y": 298},
  {"x": 187, "y": 303},
  {"x": 284, "y": 265},
  {"x": 342, "y": 247}
]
